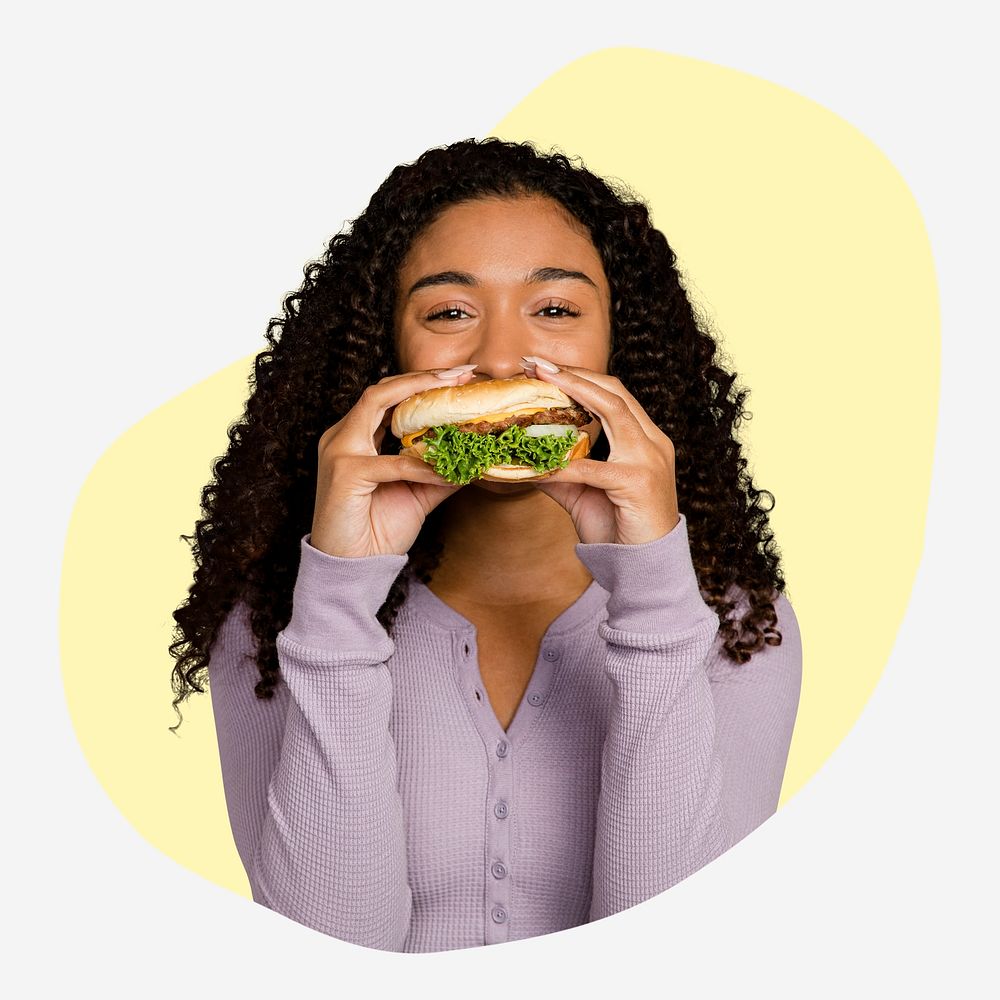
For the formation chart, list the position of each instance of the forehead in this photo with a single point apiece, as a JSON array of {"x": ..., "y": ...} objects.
[{"x": 488, "y": 232}]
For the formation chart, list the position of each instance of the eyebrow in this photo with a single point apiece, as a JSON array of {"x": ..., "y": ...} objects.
[{"x": 535, "y": 277}]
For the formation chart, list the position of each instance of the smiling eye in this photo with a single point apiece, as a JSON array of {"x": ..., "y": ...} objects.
[
  {"x": 565, "y": 310},
  {"x": 556, "y": 310},
  {"x": 443, "y": 313}
]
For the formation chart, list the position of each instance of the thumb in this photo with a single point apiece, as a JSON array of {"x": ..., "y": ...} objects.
[
  {"x": 561, "y": 493},
  {"x": 431, "y": 496}
]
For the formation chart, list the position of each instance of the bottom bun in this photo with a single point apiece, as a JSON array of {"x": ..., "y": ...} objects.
[{"x": 515, "y": 473}]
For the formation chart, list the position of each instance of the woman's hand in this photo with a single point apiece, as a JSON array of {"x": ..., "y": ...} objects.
[
  {"x": 369, "y": 504},
  {"x": 632, "y": 497}
]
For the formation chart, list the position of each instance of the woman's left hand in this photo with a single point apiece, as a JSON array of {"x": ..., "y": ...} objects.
[{"x": 632, "y": 497}]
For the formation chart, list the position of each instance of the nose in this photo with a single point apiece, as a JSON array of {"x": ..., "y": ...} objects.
[{"x": 499, "y": 344}]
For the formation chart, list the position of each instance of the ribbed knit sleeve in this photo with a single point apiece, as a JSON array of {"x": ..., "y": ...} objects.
[
  {"x": 666, "y": 806},
  {"x": 756, "y": 704},
  {"x": 329, "y": 850}
]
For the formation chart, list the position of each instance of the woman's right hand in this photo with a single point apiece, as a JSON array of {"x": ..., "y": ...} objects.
[{"x": 369, "y": 504}]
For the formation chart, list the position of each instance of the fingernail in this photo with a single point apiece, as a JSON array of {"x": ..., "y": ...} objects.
[
  {"x": 546, "y": 366},
  {"x": 453, "y": 372}
]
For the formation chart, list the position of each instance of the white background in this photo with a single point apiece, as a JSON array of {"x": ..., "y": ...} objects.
[{"x": 169, "y": 170}]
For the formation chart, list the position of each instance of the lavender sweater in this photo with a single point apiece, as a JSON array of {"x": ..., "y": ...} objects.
[{"x": 377, "y": 799}]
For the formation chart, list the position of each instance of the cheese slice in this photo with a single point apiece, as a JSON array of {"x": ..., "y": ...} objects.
[{"x": 408, "y": 439}]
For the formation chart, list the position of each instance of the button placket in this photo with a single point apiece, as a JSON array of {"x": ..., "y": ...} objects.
[
  {"x": 501, "y": 799},
  {"x": 539, "y": 688},
  {"x": 465, "y": 654},
  {"x": 498, "y": 895},
  {"x": 500, "y": 791},
  {"x": 500, "y": 746}
]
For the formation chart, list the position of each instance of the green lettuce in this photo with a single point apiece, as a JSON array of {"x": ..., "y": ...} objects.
[{"x": 461, "y": 456}]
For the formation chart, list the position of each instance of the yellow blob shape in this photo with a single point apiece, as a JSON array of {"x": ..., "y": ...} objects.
[{"x": 803, "y": 248}]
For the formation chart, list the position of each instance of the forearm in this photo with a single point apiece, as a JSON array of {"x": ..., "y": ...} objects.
[
  {"x": 660, "y": 815},
  {"x": 312, "y": 792},
  {"x": 332, "y": 849}
]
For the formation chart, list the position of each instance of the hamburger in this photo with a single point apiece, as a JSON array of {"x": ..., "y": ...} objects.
[{"x": 500, "y": 430}]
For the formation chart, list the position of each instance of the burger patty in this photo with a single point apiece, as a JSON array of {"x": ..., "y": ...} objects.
[{"x": 575, "y": 415}]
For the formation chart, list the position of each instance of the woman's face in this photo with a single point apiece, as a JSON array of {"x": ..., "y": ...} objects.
[{"x": 483, "y": 301}]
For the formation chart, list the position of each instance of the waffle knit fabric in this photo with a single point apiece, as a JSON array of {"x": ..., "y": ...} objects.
[{"x": 377, "y": 799}]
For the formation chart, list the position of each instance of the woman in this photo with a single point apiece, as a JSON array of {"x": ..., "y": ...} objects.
[{"x": 454, "y": 716}]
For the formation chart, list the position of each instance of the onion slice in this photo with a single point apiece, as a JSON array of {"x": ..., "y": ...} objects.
[{"x": 540, "y": 430}]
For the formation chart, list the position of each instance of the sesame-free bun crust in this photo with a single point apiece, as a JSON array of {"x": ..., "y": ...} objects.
[
  {"x": 458, "y": 404},
  {"x": 513, "y": 473}
]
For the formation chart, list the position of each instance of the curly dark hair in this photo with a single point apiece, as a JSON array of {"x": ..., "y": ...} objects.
[{"x": 335, "y": 338}]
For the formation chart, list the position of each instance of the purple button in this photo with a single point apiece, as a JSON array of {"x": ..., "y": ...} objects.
[
  {"x": 551, "y": 654},
  {"x": 500, "y": 809},
  {"x": 499, "y": 914},
  {"x": 502, "y": 748},
  {"x": 499, "y": 869},
  {"x": 535, "y": 699}
]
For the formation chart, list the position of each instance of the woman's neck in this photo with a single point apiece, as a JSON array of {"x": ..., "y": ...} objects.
[{"x": 507, "y": 544}]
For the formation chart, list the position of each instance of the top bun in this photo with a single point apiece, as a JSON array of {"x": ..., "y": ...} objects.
[{"x": 459, "y": 404}]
